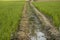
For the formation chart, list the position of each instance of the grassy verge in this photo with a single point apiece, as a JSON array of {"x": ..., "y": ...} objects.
[
  {"x": 50, "y": 9},
  {"x": 10, "y": 13}
]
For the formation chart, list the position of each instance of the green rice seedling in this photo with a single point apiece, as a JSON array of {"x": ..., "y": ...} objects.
[{"x": 10, "y": 14}]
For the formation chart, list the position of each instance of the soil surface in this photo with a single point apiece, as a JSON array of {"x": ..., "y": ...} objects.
[{"x": 35, "y": 26}]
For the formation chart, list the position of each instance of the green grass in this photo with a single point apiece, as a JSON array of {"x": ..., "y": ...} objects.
[
  {"x": 10, "y": 13},
  {"x": 50, "y": 9},
  {"x": 12, "y": 0}
]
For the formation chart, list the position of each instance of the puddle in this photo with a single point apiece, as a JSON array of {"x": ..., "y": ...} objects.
[
  {"x": 35, "y": 28},
  {"x": 39, "y": 36}
]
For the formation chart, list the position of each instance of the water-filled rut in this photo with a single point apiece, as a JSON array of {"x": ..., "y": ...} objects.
[{"x": 35, "y": 26}]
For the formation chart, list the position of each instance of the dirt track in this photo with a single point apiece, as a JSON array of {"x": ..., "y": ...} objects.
[{"x": 32, "y": 21}]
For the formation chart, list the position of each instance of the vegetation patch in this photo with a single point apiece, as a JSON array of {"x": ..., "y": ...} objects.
[{"x": 10, "y": 14}]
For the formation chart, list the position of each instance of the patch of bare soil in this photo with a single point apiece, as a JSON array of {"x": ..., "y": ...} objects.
[
  {"x": 23, "y": 33},
  {"x": 23, "y": 30}
]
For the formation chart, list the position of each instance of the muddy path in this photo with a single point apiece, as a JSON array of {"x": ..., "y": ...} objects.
[
  {"x": 31, "y": 27},
  {"x": 35, "y": 25}
]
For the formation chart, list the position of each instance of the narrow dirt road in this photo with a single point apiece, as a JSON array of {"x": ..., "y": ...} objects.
[{"x": 34, "y": 26}]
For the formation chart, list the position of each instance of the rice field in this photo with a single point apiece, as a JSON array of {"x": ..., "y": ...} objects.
[
  {"x": 10, "y": 14},
  {"x": 12, "y": 0},
  {"x": 51, "y": 10}
]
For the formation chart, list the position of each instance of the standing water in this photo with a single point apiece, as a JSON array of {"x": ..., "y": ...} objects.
[{"x": 39, "y": 36}]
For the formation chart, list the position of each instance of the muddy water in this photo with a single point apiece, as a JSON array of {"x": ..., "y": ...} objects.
[{"x": 35, "y": 26}]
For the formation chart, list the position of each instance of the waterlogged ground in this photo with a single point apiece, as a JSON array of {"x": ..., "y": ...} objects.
[{"x": 34, "y": 25}]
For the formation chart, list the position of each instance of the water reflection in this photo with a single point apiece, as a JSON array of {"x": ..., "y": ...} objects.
[{"x": 39, "y": 36}]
